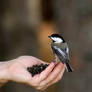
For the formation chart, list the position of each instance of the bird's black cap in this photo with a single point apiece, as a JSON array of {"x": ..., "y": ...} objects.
[{"x": 58, "y": 36}]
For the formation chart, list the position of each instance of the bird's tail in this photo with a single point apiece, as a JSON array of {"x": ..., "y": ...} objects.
[{"x": 69, "y": 68}]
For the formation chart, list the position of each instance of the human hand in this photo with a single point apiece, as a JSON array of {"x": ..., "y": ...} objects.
[{"x": 17, "y": 71}]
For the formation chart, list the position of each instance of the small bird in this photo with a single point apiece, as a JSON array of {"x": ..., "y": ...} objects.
[{"x": 61, "y": 50}]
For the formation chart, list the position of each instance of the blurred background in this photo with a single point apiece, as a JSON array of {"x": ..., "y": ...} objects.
[{"x": 24, "y": 29}]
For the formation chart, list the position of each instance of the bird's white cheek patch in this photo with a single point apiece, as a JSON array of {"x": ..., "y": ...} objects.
[{"x": 57, "y": 40}]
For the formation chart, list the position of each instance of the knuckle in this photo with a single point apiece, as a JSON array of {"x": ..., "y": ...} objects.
[
  {"x": 43, "y": 89},
  {"x": 39, "y": 88},
  {"x": 60, "y": 77}
]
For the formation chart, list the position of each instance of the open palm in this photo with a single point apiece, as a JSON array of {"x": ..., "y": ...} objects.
[{"x": 18, "y": 72}]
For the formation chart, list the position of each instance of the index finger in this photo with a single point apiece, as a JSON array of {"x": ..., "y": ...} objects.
[{"x": 46, "y": 72}]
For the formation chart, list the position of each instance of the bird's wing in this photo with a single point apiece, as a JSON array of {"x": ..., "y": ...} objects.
[
  {"x": 61, "y": 54},
  {"x": 67, "y": 53}
]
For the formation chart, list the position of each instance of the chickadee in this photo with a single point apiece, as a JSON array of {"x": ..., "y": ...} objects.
[{"x": 61, "y": 50}]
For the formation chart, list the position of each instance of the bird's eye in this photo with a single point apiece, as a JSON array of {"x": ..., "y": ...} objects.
[{"x": 54, "y": 41}]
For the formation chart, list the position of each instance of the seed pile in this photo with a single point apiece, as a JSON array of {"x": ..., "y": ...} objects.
[{"x": 37, "y": 69}]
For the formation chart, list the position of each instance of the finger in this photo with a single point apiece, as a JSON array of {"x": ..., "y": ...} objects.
[
  {"x": 46, "y": 72},
  {"x": 53, "y": 74},
  {"x": 59, "y": 77}
]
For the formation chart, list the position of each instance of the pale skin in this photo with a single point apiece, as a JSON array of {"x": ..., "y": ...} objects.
[{"x": 16, "y": 70}]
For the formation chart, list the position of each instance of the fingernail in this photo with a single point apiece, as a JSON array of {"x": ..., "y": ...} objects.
[{"x": 54, "y": 61}]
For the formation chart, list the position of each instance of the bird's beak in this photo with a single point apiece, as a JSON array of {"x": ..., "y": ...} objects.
[{"x": 49, "y": 37}]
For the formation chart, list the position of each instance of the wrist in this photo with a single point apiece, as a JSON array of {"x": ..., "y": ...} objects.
[{"x": 4, "y": 74}]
